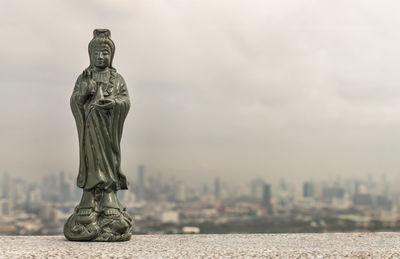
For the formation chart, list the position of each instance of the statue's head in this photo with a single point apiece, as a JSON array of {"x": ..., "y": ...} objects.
[{"x": 101, "y": 49}]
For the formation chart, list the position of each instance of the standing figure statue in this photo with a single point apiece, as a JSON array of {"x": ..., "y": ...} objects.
[{"x": 100, "y": 104}]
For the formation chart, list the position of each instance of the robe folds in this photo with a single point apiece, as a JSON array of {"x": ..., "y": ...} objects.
[{"x": 100, "y": 132}]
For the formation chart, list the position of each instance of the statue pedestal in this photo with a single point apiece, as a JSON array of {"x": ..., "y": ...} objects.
[{"x": 102, "y": 218}]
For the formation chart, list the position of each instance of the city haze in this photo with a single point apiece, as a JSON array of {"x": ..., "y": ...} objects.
[{"x": 235, "y": 89}]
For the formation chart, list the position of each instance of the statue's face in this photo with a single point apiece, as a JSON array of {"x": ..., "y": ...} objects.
[{"x": 102, "y": 56}]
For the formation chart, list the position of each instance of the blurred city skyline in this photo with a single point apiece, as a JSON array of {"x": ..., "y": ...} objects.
[
  {"x": 165, "y": 205},
  {"x": 235, "y": 89}
]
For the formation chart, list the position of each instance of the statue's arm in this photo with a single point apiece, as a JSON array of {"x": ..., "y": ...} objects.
[
  {"x": 76, "y": 103},
  {"x": 75, "y": 92},
  {"x": 122, "y": 94},
  {"x": 120, "y": 111},
  {"x": 81, "y": 90}
]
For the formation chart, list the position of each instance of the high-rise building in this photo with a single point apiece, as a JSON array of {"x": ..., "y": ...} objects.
[
  {"x": 266, "y": 197},
  {"x": 7, "y": 186},
  {"x": 7, "y": 205},
  {"x": 308, "y": 190},
  {"x": 205, "y": 189},
  {"x": 65, "y": 188},
  {"x": 34, "y": 197},
  {"x": 44, "y": 211},
  {"x": 334, "y": 192},
  {"x": 180, "y": 192},
  {"x": 283, "y": 185},
  {"x": 141, "y": 175},
  {"x": 362, "y": 199},
  {"x": 18, "y": 191},
  {"x": 140, "y": 186},
  {"x": 257, "y": 186},
  {"x": 50, "y": 187},
  {"x": 217, "y": 190}
]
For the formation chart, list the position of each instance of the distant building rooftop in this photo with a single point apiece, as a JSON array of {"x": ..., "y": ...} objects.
[{"x": 327, "y": 245}]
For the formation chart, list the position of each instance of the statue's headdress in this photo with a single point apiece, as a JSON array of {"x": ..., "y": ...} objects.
[{"x": 101, "y": 36}]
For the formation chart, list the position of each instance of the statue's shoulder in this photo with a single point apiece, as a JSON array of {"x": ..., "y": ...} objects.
[
  {"x": 79, "y": 79},
  {"x": 119, "y": 80},
  {"x": 118, "y": 76}
]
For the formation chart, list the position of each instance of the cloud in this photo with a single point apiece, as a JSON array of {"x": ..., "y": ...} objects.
[{"x": 263, "y": 88}]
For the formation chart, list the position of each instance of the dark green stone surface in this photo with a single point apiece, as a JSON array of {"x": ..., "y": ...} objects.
[{"x": 100, "y": 104}]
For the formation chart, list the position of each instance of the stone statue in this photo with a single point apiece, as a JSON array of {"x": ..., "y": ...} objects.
[{"x": 100, "y": 104}]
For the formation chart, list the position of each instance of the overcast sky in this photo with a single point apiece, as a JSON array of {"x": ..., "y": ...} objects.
[{"x": 236, "y": 89}]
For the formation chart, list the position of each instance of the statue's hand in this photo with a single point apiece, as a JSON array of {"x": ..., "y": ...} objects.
[
  {"x": 105, "y": 104},
  {"x": 88, "y": 86}
]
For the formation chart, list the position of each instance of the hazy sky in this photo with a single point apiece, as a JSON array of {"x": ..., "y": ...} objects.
[{"x": 278, "y": 88}]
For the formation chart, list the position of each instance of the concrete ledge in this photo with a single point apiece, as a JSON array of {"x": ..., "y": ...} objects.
[{"x": 327, "y": 245}]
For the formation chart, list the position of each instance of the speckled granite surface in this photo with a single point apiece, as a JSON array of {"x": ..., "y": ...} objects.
[{"x": 332, "y": 245}]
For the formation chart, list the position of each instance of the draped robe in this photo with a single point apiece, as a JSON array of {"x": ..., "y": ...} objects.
[{"x": 100, "y": 132}]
